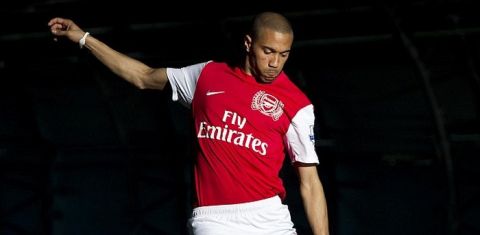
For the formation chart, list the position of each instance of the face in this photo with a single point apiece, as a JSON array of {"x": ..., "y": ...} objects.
[{"x": 267, "y": 54}]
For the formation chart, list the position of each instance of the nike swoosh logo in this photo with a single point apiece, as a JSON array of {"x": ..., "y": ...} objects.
[{"x": 209, "y": 93}]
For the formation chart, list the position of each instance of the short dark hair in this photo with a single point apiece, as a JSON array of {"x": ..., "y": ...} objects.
[{"x": 271, "y": 20}]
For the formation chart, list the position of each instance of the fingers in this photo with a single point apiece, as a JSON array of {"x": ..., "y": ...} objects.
[
  {"x": 58, "y": 20},
  {"x": 57, "y": 29},
  {"x": 59, "y": 26},
  {"x": 65, "y": 27}
]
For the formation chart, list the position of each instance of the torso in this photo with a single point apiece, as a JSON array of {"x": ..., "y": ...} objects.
[{"x": 240, "y": 127}]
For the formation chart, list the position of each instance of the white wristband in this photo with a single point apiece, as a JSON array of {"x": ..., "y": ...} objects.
[{"x": 81, "y": 42}]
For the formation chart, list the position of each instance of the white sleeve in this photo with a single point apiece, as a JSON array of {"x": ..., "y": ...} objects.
[
  {"x": 184, "y": 81},
  {"x": 300, "y": 138}
]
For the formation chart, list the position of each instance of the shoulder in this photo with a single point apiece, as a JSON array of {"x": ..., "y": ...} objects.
[
  {"x": 292, "y": 90},
  {"x": 290, "y": 95},
  {"x": 216, "y": 65},
  {"x": 215, "y": 68}
]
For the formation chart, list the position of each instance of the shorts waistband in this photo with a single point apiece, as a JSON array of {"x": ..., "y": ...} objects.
[{"x": 267, "y": 203}]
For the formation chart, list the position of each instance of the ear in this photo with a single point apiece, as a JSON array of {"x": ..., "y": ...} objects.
[{"x": 247, "y": 42}]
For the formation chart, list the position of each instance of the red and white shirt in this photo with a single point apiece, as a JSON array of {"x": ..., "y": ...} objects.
[{"x": 243, "y": 129}]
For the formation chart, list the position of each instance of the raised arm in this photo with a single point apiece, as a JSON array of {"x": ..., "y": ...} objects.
[
  {"x": 313, "y": 197},
  {"x": 130, "y": 69}
]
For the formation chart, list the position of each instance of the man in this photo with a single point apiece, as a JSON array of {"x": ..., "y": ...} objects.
[{"x": 246, "y": 118}]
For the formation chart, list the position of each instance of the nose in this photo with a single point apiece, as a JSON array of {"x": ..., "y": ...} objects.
[{"x": 274, "y": 61}]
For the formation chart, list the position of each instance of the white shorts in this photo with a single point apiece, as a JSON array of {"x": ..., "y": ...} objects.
[{"x": 267, "y": 216}]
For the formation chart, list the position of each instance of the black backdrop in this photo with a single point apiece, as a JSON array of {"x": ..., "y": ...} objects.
[{"x": 395, "y": 86}]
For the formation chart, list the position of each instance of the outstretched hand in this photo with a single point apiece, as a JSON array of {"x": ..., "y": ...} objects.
[{"x": 65, "y": 28}]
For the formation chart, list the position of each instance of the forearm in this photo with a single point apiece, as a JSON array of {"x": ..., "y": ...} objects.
[
  {"x": 132, "y": 70},
  {"x": 315, "y": 206}
]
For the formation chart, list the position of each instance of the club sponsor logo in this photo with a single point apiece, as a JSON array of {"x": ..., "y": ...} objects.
[{"x": 232, "y": 134}]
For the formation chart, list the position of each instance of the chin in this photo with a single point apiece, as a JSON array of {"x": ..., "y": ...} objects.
[{"x": 268, "y": 79}]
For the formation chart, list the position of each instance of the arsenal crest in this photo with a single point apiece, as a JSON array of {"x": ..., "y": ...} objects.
[{"x": 267, "y": 104}]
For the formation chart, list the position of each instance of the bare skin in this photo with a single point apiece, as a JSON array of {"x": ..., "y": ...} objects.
[
  {"x": 267, "y": 55},
  {"x": 132, "y": 70}
]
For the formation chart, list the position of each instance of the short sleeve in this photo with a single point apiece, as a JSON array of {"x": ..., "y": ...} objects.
[
  {"x": 184, "y": 81},
  {"x": 300, "y": 138}
]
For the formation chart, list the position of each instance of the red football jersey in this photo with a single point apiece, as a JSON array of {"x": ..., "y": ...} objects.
[{"x": 244, "y": 129}]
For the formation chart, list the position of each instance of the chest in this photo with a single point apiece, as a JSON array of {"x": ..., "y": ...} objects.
[{"x": 233, "y": 103}]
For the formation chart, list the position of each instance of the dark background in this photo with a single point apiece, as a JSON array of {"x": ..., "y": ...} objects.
[{"x": 395, "y": 85}]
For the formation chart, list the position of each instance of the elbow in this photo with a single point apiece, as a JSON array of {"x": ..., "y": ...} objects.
[
  {"x": 143, "y": 85},
  {"x": 149, "y": 79},
  {"x": 138, "y": 83},
  {"x": 139, "y": 78}
]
